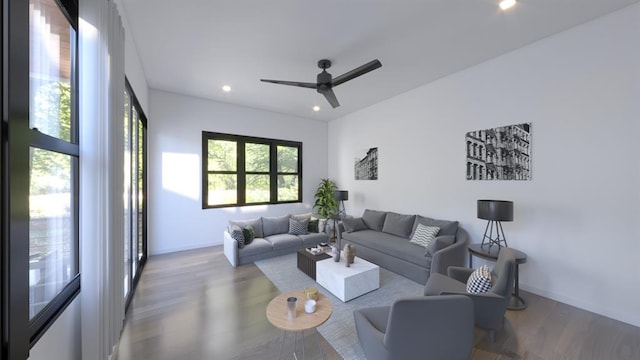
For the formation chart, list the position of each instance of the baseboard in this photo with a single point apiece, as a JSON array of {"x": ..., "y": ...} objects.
[
  {"x": 182, "y": 247},
  {"x": 582, "y": 304}
]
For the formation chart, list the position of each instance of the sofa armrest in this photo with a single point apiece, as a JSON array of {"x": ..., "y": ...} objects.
[
  {"x": 231, "y": 249},
  {"x": 459, "y": 273},
  {"x": 453, "y": 255}
]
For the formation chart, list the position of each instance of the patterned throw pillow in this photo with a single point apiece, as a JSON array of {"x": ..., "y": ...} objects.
[
  {"x": 236, "y": 234},
  {"x": 249, "y": 234},
  {"x": 424, "y": 235},
  {"x": 480, "y": 281},
  {"x": 298, "y": 227}
]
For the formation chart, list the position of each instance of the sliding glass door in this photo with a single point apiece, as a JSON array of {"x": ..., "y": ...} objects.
[{"x": 135, "y": 185}]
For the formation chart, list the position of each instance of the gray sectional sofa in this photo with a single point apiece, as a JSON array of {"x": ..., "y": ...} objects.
[
  {"x": 273, "y": 236},
  {"x": 383, "y": 238}
]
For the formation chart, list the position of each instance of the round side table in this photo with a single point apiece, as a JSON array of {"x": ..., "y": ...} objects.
[
  {"x": 277, "y": 316},
  {"x": 491, "y": 253}
]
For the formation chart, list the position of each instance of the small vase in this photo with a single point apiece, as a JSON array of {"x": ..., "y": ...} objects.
[{"x": 335, "y": 252}]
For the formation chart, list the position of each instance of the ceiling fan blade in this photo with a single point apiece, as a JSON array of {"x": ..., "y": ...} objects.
[
  {"x": 331, "y": 98},
  {"x": 292, "y": 83},
  {"x": 371, "y": 65}
]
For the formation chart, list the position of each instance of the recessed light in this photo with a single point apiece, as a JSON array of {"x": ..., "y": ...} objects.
[
  {"x": 226, "y": 88},
  {"x": 505, "y": 4},
  {"x": 316, "y": 108}
]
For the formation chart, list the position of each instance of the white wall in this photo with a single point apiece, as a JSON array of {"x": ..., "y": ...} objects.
[
  {"x": 176, "y": 218},
  {"x": 578, "y": 218},
  {"x": 62, "y": 340}
]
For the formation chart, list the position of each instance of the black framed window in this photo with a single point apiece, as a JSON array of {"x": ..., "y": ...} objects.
[
  {"x": 40, "y": 160},
  {"x": 242, "y": 170},
  {"x": 135, "y": 190}
]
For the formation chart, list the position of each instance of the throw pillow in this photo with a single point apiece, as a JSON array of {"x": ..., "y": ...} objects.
[
  {"x": 446, "y": 227},
  {"x": 275, "y": 225},
  {"x": 398, "y": 224},
  {"x": 299, "y": 217},
  {"x": 374, "y": 219},
  {"x": 480, "y": 281},
  {"x": 440, "y": 243},
  {"x": 298, "y": 227},
  {"x": 424, "y": 235},
  {"x": 314, "y": 226},
  {"x": 237, "y": 235},
  {"x": 353, "y": 224},
  {"x": 256, "y": 223},
  {"x": 249, "y": 234}
]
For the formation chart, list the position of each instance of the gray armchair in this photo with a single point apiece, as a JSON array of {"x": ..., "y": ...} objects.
[
  {"x": 489, "y": 308},
  {"x": 437, "y": 327}
]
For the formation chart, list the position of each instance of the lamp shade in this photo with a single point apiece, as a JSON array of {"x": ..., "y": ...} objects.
[
  {"x": 341, "y": 195},
  {"x": 496, "y": 210}
]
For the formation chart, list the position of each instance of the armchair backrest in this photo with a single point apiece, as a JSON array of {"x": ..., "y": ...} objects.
[
  {"x": 503, "y": 273},
  {"x": 437, "y": 327}
]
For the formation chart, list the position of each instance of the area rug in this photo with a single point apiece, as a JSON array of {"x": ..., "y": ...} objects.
[{"x": 339, "y": 330}]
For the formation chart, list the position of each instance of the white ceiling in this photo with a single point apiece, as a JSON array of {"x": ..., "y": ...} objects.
[{"x": 193, "y": 47}]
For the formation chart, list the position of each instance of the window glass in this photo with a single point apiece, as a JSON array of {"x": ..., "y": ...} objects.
[
  {"x": 258, "y": 188},
  {"x": 287, "y": 187},
  {"x": 287, "y": 159},
  {"x": 256, "y": 157},
  {"x": 223, "y": 189},
  {"x": 222, "y": 155},
  {"x": 51, "y": 226},
  {"x": 52, "y": 48}
]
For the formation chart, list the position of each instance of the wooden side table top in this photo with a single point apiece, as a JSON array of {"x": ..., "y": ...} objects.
[
  {"x": 491, "y": 253},
  {"x": 277, "y": 312}
]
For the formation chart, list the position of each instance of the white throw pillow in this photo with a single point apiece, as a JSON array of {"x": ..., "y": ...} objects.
[
  {"x": 424, "y": 235},
  {"x": 480, "y": 281}
]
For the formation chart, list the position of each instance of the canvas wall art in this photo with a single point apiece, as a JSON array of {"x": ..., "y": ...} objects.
[
  {"x": 366, "y": 164},
  {"x": 502, "y": 153}
]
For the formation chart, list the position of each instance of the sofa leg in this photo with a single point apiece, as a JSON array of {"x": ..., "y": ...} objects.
[{"x": 492, "y": 335}]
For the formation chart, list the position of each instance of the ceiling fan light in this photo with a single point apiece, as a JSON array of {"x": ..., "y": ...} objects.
[
  {"x": 316, "y": 108},
  {"x": 506, "y": 4}
]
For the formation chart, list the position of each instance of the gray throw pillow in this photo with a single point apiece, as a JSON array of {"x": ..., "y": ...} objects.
[
  {"x": 446, "y": 227},
  {"x": 299, "y": 217},
  {"x": 275, "y": 225},
  {"x": 353, "y": 224},
  {"x": 256, "y": 223},
  {"x": 398, "y": 224},
  {"x": 374, "y": 219},
  {"x": 439, "y": 243}
]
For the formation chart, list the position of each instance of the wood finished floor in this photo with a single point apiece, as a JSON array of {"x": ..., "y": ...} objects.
[{"x": 193, "y": 305}]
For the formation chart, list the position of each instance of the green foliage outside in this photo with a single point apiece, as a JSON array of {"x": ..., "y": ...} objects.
[{"x": 222, "y": 157}]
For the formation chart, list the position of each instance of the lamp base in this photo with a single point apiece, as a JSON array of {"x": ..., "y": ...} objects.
[{"x": 489, "y": 240}]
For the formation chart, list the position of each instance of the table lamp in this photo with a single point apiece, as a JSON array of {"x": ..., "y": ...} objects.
[{"x": 495, "y": 211}]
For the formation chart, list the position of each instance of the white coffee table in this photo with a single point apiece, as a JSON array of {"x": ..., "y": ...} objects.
[{"x": 347, "y": 283}]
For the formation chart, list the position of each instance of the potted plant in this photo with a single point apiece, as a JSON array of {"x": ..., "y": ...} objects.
[{"x": 326, "y": 204}]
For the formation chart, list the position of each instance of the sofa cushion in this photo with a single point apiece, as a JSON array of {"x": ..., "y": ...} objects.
[
  {"x": 237, "y": 235},
  {"x": 249, "y": 234},
  {"x": 306, "y": 216},
  {"x": 284, "y": 241},
  {"x": 258, "y": 246},
  {"x": 275, "y": 225},
  {"x": 353, "y": 224},
  {"x": 256, "y": 223},
  {"x": 298, "y": 227},
  {"x": 374, "y": 219},
  {"x": 424, "y": 235},
  {"x": 398, "y": 224},
  {"x": 446, "y": 227},
  {"x": 313, "y": 239},
  {"x": 389, "y": 244},
  {"x": 439, "y": 243},
  {"x": 480, "y": 281}
]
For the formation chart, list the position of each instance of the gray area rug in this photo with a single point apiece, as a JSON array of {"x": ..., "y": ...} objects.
[{"x": 339, "y": 330}]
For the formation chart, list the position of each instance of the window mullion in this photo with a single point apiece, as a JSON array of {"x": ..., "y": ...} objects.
[
  {"x": 273, "y": 170},
  {"x": 242, "y": 174}
]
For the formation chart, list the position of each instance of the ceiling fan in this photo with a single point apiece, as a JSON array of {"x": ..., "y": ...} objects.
[{"x": 325, "y": 83}]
